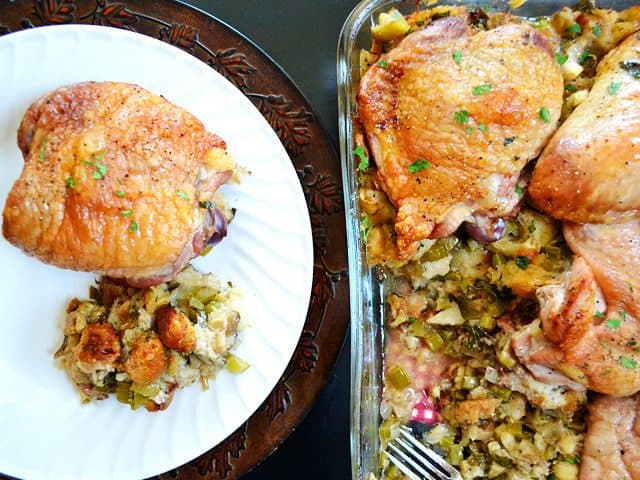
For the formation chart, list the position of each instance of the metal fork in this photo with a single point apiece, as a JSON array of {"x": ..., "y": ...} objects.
[{"x": 417, "y": 461}]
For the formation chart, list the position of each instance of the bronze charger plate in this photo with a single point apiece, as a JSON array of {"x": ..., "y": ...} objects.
[{"x": 316, "y": 162}]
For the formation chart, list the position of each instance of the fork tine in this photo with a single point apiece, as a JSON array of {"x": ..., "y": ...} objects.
[
  {"x": 407, "y": 459},
  {"x": 432, "y": 456},
  {"x": 419, "y": 462},
  {"x": 402, "y": 467}
]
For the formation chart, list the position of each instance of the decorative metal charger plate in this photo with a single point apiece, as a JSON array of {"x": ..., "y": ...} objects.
[{"x": 316, "y": 163}]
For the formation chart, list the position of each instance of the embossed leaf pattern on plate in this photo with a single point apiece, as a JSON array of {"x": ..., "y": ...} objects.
[
  {"x": 323, "y": 289},
  {"x": 54, "y": 11},
  {"x": 319, "y": 234},
  {"x": 278, "y": 401},
  {"x": 233, "y": 65},
  {"x": 306, "y": 355},
  {"x": 114, "y": 15},
  {"x": 292, "y": 126},
  {"x": 324, "y": 195},
  {"x": 180, "y": 35},
  {"x": 218, "y": 459}
]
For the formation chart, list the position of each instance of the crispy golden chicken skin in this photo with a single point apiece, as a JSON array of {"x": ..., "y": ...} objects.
[
  {"x": 112, "y": 183},
  {"x": 452, "y": 115},
  {"x": 588, "y": 173}
]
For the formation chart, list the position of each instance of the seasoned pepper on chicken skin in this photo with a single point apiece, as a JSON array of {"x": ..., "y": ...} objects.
[
  {"x": 450, "y": 138},
  {"x": 114, "y": 182}
]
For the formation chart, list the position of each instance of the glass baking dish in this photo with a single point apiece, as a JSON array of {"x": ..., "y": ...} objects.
[{"x": 366, "y": 292}]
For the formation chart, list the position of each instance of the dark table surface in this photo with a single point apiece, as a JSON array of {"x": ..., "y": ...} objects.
[{"x": 301, "y": 36}]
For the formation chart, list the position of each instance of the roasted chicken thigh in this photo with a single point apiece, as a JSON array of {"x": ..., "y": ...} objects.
[
  {"x": 114, "y": 182},
  {"x": 452, "y": 114},
  {"x": 587, "y": 176},
  {"x": 588, "y": 173}
]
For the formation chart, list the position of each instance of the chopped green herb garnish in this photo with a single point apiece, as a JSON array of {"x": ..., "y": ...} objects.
[
  {"x": 561, "y": 58},
  {"x": 133, "y": 227},
  {"x": 614, "y": 87},
  {"x": 597, "y": 30},
  {"x": 574, "y": 460},
  {"x": 206, "y": 204},
  {"x": 98, "y": 156},
  {"x": 544, "y": 114},
  {"x": 365, "y": 228},
  {"x": 630, "y": 287},
  {"x": 99, "y": 171},
  {"x": 481, "y": 89},
  {"x": 70, "y": 183},
  {"x": 482, "y": 127},
  {"x": 623, "y": 314},
  {"x": 126, "y": 213},
  {"x": 523, "y": 262},
  {"x": 508, "y": 141},
  {"x": 519, "y": 191},
  {"x": 627, "y": 362},
  {"x": 613, "y": 323},
  {"x": 457, "y": 56},
  {"x": 383, "y": 64},
  {"x": 462, "y": 117},
  {"x": 182, "y": 195},
  {"x": 575, "y": 28},
  {"x": 120, "y": 193},
  {"x": 419, "y": 165},
  {"x": 583, "y": 57},
  {"x": 599, "y": 315},
  {"x": 42, "y": 147},
  {"x": 469, "y": 130},
  {"x": 364, "y": 160},
  {"x": 570, "y": 87}
]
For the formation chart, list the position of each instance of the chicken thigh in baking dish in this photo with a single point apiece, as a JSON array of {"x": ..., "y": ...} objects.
[
  {"x": 116, "y": 181},
  {"x": 587, "y": 176},
  {"x": 588, "y": 173},
  {"x": 547, "y": 317},
  {"x": 452, "y": 114}
]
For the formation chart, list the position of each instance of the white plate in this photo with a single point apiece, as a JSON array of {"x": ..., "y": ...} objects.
[{"x": 47, "y": 432}]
